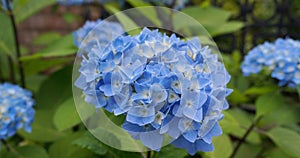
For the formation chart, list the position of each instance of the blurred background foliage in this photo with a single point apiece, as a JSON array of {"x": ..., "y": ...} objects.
[{"x": 257, "y": 103}]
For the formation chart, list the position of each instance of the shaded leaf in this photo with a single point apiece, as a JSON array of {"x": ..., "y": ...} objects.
[
  {"x": 148, "y": 12},
  {"x": 91, "y": 143},
  {"x": 275, "y": 153},
  {"x": 130, "y": 26},
  {"x": 29, "y": 151},
  {"x": 66, "y": 115},
  {"x": 245, "y": 120},
  {"x": 64, "y": 148},
  {"x": 223, "y": 147},
  {"x": 170, "y": 151},
  {"x": 25, "y": 8},
  {"x": 287, "y": 140},
  {"x": 42, "y": 128},
  {"x": 268, "y": 103},
  {"x": 46, "y": 38},
  {"x": 7, "y": 44},
  {"x": 260, "y": 90}
]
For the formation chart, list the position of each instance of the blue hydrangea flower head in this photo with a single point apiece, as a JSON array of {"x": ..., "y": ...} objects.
[
  {"x": 16, "y": 110},
  {"x": 282, "y": 58},
  {"x": 164, "y": 86},
  {"x": 4, "y": 4},
  {"x": 104, "y": 34}
]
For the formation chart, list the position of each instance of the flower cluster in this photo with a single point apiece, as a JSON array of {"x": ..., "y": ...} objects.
[
  {"x": 282, "y": 58},
  {"x": 4, "y": 4},
  {"x": 80, "y": 2},
  {"x": 104, "y": 34},
  {"x": 164, "y": 86},
  {"x": 16, "y": 110}
]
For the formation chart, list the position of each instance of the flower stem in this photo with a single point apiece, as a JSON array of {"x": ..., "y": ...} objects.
[
  {"x": 13, "y": 22},
  {"x": 149, "y": 154},
  {"x": 10, "y": 148},
  {"x": 242, "y": 140}
]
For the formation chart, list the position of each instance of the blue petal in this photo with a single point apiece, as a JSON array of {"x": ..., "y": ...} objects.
[
  {"x": 191, "y": 136},
  {"x": 152, "y": 139},
  {"x": 215, "y": 131}
]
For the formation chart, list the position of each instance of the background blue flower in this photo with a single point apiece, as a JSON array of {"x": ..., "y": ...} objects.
[
  {"x": 16, "y": 110},
  {"x": 102, "y": 34},
  {"x": 282, "y": 58}
]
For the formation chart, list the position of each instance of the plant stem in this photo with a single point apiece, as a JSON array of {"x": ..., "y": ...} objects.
[
  {"x": 149, "y": 154},
  {"x": 13, "y": 22},
  {"x": 9, "y": 148},
  {"x": 242, "y": 140}
]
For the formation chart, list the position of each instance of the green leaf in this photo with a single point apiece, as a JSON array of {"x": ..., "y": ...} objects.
[
  {"x": 32, "y": 67},
  {"x": 65, "y": 42},
  {"x": 223, "y": 147},
  {"x": 298, "y": 89},
  {"x": 52, "y": 92},
  {"x": 55, "y": 90},
  {"x": 66, "y": 115},
  {"x": 237, "y": 97},
  {"x": 287, "y": 140},
  {"x": 228, "y": 27},
  {"x": 7, "y": 44},
  {"x": 276, "y": 153},
  {"x": 289, "y": 114},
  {"x": 130, "y": 26},
  {"x": 33, "y": 82},
  {"x": 29, "y": 151},
  {"x": 268, "y": 103},
  {"x": 229, "y": 123},
  {"x": 170, "y": 151},
  {"x": 91, "y": 143},
  {"x": 42, "y": 128},
  {"x": 46, "y": 38},
  {"x": 208, "y": 16},
  {"x": 64, "y": 148},
  {"x": 70, "y": 18},
  {"x": 148, "y": 12},
  {"x": 215, "y": 20},
  {"x": 260, "y": 90},
  {"x": 249, "y": 151},
  {"x": 51, "y": 54},
  {"x": 88, "y": 141},
  {"x": 25, "y": 8},
  {"x": 245, "y": 120}
]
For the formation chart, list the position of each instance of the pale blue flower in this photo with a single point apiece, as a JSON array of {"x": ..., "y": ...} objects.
[
  {"x": 16, "y": 110},
  {"x": 282, "y": 58}
]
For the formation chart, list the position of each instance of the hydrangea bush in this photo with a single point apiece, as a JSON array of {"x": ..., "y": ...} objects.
[
  {"x": 162, "y": 84},
  {"x": 16, "y": 110},
  {"x": 282, "y": 58}
]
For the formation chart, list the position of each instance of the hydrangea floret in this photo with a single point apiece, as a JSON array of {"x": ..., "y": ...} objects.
[
  {"x": 164, "y": 86},
  {"x": 281, "y": 58},
  {"x": 16, "y": 110}
]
